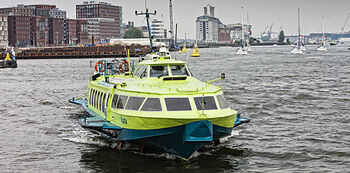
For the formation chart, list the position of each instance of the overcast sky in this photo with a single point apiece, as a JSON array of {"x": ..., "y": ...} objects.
[{"x": 283, "y": 13}]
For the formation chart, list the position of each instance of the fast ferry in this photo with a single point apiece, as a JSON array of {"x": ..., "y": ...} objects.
[{"x": 159, "y": 105}]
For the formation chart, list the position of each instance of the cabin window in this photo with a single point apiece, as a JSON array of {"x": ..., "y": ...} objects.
[
  {"x": 106, "y": 102},
  {"x": 90, "y": 95},
  {"x": 141, "y": 71},
  {"x": 152, "y": 104},
  {"x": 134, "y": 103},
  {"x": 122, "y": 101},
  {"x": 103, "y": 102},
  {"x": 98, "y": 100},
  {"x": 207, "y": 102},
  {"x": 95, "y": 99},
  {"x": 158, "y": 71},
  {"x": 177, "y": 104},
  {"x": 222, "y": 102},
  {"x": 177, "y": 70},
  {"x": 114, "y": 101}
]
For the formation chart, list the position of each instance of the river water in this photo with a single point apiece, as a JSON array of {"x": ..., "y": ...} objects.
[{"x": 299, "y": 106}]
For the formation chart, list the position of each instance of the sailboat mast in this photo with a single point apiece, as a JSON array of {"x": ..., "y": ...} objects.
[
  {"x": 243, "y": 42},
  {"x": 298, "y": 28},
  {"x": 324, "y": 37}
]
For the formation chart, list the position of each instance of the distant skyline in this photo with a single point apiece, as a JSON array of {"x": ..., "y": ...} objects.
[{"x": 282, "y": 13}]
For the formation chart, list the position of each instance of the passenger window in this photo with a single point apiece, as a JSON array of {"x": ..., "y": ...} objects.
[
  {"x": 222, "y": 102},
  {"x": 177, "y": 104},
  {"x": 98, "y": 100},
  {"x": 140, "y": 70},
  {"x": 114, "y": 101},
  {"x": 95, "y": 99},
  {"x": 207, "y": 102},
  {"x": 152, "y": 104},
  {"x": 90, "y": 96},
  {"x": 177, "y": 70},
  {"x": 122, "y": 101},
  {"x": 103, "y": 102},
  {"x": 158, "y": 71},
  {"x": 134, "y": 103}
]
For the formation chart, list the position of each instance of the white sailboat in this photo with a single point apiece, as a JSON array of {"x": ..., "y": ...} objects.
[
  {"x": 323, "y": 46},
  {"x": 242, "y": 50},
  {"x": 248, "y": 47},
  {"x": 297, "y": 49},
  {"x": 302, "y": 45}
]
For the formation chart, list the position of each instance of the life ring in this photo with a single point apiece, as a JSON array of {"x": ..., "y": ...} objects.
[
  {"x": 124, "y": 66},
  {"x": 97, "y": 65}
]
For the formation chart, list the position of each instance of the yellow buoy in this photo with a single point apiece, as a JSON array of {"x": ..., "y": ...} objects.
[
  {"x": 184, "y": 49},
  {"x": 195, "y": 53},
  {"x": 180, "y": 52},
  {"x": 7, "y": 57}
]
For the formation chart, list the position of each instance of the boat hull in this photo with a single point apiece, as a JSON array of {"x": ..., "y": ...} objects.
[
  {"x": 182, "y": 140},
  {"x": 8, "y": 64}
]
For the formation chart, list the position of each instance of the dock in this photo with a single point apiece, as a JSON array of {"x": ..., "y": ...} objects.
[{"x": 82, "y": 52}]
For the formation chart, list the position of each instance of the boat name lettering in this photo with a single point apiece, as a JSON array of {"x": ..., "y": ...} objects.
[{"x": 123, "y": 120}]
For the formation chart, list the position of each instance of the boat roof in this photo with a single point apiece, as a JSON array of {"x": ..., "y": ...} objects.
[{"x": 159, "y": 86}]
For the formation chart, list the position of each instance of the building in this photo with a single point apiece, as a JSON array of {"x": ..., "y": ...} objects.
[
  {"x": 19, "y": 10},
  {"x": 3, "y": 30},
  {"x": 57, "y": 13},
  {"x": 40, "y": 31},
  {"x": 236, "y": 31},
  {"x": 126, "y": 27},
  {"x": 42, "y": 10},
  {"x": 70, "y": 31},
  {"x": 144, "y": 30},
  {"x": 224, "y": 34},
  {"x": 82, "y": 32},
  {"x": 104, "y": 21},
  {"x": 157, "y": 29},
  {"x": 56, "y": 31},
  {"x": 19, "y": 31},
  {"x": 207, "y": 26}
]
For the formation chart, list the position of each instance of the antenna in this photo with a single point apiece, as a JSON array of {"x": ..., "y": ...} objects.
[
  {"x": 172, "y": 45},
  {"x": 148, "y": 26}
]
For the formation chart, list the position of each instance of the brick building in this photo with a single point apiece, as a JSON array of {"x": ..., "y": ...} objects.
[
  {"x": 19, "y": 31},
  {"x": 104, "y": 21},
  {"x": 56, "y": 31},
  {"x": 19, "y": 10},
  {"x": 41, "y": 9},
  {"x": 40, "y": 31}
]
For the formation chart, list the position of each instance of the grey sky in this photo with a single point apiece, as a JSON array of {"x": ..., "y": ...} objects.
[{"x": 261, "y": 12}]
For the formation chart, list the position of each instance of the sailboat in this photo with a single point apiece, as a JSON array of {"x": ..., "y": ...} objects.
[
  {"x": 297, "y": 49},
  {"x": 242, "y": 50},
  {"x": 248, "y": 47},
  {"x": 302, "y": 45},
  {"x": 323, "y": 46}
]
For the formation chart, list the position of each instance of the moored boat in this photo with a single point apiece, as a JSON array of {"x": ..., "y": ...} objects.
[{"x": 9, "y": 62}]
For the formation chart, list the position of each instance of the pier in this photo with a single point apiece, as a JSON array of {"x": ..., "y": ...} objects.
[{"x": 82, "y": 52}]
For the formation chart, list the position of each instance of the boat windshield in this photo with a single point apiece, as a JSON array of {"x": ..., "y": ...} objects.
[
  {"x": 141, "y": 71},
  {"x": 158, "y": 71},
  {"x": 177, "y": 70}
]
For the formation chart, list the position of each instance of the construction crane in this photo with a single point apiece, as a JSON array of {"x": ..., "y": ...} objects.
[
  {"x": 342, "y": 28},
  {"x": 266, "y": 35},
  {"x": 172, "y": 43},
  {"x": 264, "y": 32}
]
